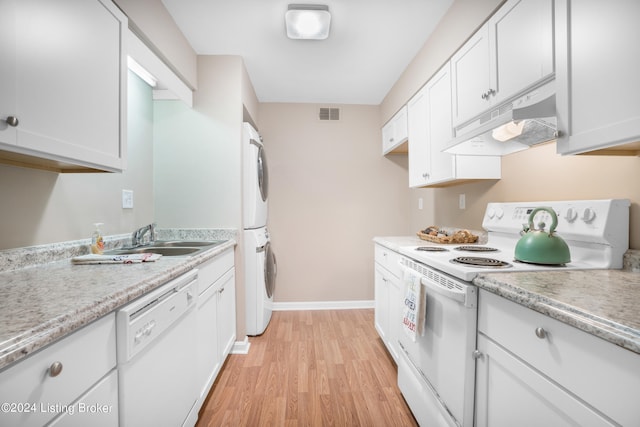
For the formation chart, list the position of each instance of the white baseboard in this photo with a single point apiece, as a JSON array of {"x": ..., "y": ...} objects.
[
  {"x": 322, "y": 305},
  {"x": 241, "y": 347}
]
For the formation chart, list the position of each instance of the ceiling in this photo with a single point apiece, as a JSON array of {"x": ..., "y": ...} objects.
[{"x": 370, "y": 44}]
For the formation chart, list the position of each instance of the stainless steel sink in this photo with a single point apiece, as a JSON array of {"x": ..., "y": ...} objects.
[
  {"x": 186, "y": 243},
  {"x": 169, "y": 248}
]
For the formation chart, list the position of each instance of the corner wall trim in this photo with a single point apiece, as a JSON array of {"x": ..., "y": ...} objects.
[
  {"x": 322, "y": 305},
  {"x": 241, "y": 347}
]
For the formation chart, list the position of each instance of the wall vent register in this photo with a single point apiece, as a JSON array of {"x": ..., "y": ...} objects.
[{"x": 329, "y": 114}]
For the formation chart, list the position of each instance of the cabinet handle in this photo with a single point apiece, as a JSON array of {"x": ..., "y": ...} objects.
[
  {"x": 476, "y": 354},
  {"x": 488, "y": 93},
  {"x": 12, "y": 121},
  {"x": 541, "y": 333},
  {"x": 221, "y": 290},
  {"x": 55, "y": 369},
  {"x": 425, "y": 175}
]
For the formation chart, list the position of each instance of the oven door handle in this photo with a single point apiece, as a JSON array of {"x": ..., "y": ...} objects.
[{"x": 453, "y": 294}]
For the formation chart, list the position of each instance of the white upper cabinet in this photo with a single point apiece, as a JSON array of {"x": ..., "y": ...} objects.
[
  {"x": 598, "y": 89},
  {"x": 511, "y": 53},
  {"x": 63, "y": 89},
  {"x": 430, "y": 131},
  {"x": 394, "y": 133}
]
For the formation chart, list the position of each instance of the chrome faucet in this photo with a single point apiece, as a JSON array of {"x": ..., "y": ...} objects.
[{"x": 136, "y": 238}]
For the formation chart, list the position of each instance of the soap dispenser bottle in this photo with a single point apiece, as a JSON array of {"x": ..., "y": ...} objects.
[{"x": 97, "y": 241}]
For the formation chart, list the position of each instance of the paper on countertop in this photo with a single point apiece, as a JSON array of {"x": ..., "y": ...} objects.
[
  {"x": 115, "y": 259},
  {"x": 414, "y": 310}
]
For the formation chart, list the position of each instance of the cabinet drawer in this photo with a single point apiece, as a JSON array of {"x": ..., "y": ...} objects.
[
  {"x": 97, "y": 408},
  {"x": 604, "y": 375},
  {"x": 86, "y": 356},
  {"x": 212, "y": 270},
  {"x": 388, "y": 259}
]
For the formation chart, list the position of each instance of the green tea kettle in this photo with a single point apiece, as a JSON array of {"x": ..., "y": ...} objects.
[{"x": 538, "y": 247}]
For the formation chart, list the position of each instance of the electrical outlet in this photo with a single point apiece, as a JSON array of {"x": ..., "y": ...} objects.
[
  {"x": 462, "y": 202},
  {"x": 127, "y": 199}
]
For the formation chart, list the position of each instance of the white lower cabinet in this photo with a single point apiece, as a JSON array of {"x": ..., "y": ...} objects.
[
  {"x": 97, "y": 408},
  {"x": 388, "y": 298},
  {"x": 216, "y": 330},
  {"x": 74, "y": 377},
  {"x": 536, "y": 371}
]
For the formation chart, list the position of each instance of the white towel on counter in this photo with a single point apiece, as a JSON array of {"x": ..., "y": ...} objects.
[
  {"x": 115, "y": 259},
  {"x": 414, "y": 309}
]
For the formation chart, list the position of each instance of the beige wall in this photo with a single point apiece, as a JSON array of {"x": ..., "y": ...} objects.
[
  {"x": 538, "y": 174},
  {"x": 40, "y": 207},
  {"x": 457, "y": 25},
  {"x": 331, "y": 192}
]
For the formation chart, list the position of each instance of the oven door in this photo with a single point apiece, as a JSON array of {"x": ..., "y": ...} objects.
[{"x": 441, "y": 359}]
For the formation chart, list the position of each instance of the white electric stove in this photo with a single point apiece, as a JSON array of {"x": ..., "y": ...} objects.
[
  {"x": 436, "y": 369},
  {"x": 596, "y": 231}
]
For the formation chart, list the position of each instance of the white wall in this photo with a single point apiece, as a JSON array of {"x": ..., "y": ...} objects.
[{"x": 40, "y": 207}]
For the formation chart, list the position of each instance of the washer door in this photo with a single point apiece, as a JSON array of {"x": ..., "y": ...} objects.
[
  {"x": 270, "y": 270},
  {"x": 263, "y": 174}
]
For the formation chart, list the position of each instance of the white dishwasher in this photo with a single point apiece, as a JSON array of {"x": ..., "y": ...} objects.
[{"x": 156, "y": 341}]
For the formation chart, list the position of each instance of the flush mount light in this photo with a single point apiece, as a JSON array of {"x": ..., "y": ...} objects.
[{"x": 307, "y": 21}]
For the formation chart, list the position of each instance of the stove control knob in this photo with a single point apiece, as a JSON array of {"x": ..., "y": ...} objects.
[
  {"x": 588, "y": 215},
  {"x": 499, "y": 213},
  {"x": 571, "y": 215},
  {"x": 491, "y": 213}
]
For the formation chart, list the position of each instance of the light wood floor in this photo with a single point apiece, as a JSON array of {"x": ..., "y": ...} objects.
[{"x": 310, "y": 368}]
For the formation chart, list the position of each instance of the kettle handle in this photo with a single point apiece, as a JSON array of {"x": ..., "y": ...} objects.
[{"x": 554, "y": 218}]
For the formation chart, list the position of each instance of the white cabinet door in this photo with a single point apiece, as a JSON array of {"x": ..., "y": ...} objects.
[
  {"x": 471, "y": 77},
  {"x": 226, "y": 314},
  {"x": 395, "y": 132},
  {"x": 521, "y": 48},
  {"x": 396, "y": 303},
  {"x": 419, "y": 156},
  {"x": 209, "y": 362},
  {"x": 430, "y": 131},
  {"x": 36, "y": 393},
  {"x": 512, "y": 52},
  {"x": 598, "y": 89},
  {"x": 510, "y": 392},
  {"x": 381, "y": 298},
  {"x": 7, "y": 70},
  {"x": 440, "y": 130},
  {"x": 69, "y": 83},
  {"x": 96, "y": 408}
]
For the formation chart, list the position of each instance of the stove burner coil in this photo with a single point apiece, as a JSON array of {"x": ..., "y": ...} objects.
[
  {"x": 431, "y": 249},
  {"x": 480, "y": 262},
  {"x": 476, "y": 249}
]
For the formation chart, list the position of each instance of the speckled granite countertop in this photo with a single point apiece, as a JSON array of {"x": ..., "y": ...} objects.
[
  {"x": 605, "y": 303},
  {"x": 49, "y": 298}
]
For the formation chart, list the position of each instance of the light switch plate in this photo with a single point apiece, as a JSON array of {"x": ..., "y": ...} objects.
[{"x": 127, "y": 199}]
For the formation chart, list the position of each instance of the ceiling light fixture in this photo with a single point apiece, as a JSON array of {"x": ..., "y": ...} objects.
[{"x": 307, "y": 21}]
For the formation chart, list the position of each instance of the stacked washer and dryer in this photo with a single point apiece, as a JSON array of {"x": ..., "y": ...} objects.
[{"x": 259, "y": 260}]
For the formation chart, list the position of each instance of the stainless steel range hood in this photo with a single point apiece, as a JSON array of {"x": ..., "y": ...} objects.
[{"x": 510, "y": 127}]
